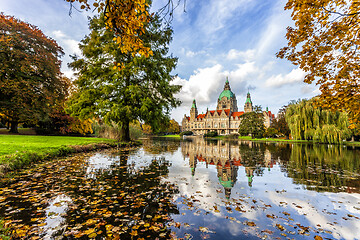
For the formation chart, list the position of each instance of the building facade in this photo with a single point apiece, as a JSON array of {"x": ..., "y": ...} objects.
[{"x": 225, "y": 119}]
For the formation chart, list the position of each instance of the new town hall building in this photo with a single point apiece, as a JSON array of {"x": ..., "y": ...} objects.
[{"x": 225, "y": 119}]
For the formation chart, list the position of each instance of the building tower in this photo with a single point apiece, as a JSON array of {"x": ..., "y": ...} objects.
[
  {"x": 248, "y": 104},
  {"x": 193, "y": 111},
  {"x": 227, "y": 99}
]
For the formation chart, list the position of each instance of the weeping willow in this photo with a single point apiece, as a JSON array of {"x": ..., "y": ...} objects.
[{"x": 309, "y": 123}]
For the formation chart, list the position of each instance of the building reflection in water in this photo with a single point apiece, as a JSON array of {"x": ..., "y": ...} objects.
[{"x": 227, "y": 156}]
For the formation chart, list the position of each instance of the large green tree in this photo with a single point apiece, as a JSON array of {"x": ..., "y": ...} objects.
[
  {"x": 324, "y": 43},
  {"x": 252, "y": 123},
  {"x": 307, "y": 122},
  {"x": 136, "y": 88},
  {"x": 30, "y": 78}
]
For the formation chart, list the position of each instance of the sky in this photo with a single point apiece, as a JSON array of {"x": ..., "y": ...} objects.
[{"x": 213, "y": 39}]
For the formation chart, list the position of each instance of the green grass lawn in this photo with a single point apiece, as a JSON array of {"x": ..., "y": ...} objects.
[
  {"x": 10, "y": 144},
  {"x": 171, "y": 136}
]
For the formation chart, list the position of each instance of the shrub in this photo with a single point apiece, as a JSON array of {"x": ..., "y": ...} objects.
[
  {"x": 106, "y": 131},
  {"x": 135, "y": 131},
  {"x": 186, "y": 133},
  {"x": 271, "y": 133},
  {"x": 211, "y": 134}
]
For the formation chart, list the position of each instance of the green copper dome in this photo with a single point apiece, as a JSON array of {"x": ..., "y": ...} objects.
[
  {"x": 226, "y": 184},
  {"x": 226, "y": 93}
]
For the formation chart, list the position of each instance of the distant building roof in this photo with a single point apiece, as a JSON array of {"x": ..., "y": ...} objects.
[
  {"x": 237, "y": 114},
  {"x": 201, "y": 116}
]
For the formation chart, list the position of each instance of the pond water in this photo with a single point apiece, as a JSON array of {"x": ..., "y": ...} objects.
[{"x": 192, "y": 189}]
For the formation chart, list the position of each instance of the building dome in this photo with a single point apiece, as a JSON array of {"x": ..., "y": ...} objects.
[{"x": 226, "y": 93}]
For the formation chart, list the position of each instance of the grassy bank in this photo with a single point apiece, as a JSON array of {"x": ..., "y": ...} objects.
[
  {"x": 272, "y": 139},
  {"x": 10, "y": 144},
  {"x": 171, "y": 136},
  {"x": 17, "y": 151}
]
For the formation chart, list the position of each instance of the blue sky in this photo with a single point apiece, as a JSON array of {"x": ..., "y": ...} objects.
[{"x": 213, "y": 39}]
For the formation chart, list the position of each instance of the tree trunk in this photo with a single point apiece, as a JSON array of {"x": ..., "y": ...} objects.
[
  {"x": 125, "y": 132},
  {"x": 14, "y": 126},
  {"x": 352, "y": 138}
]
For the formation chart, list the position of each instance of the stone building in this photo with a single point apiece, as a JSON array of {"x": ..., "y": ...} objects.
[{"x": 225, "y": 119}]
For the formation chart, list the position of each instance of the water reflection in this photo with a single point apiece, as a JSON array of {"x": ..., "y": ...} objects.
[
  {"x": 189, "y": 189},
  {"x": 318, "y": 167}
]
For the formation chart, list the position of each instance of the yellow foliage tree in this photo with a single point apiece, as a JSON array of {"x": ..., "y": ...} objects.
[
  {"x": 127, "y": 18},
  {"x": 81, "y": 126},
  {"x": 174, "y": 126},
  {"x": 147, "y": 129},
  {"x": 324, "y": 43}
]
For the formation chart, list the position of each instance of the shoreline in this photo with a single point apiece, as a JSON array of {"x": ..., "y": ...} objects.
[
  {"x": 24, "y": 159},
  {"x": 240, "y": 138}
]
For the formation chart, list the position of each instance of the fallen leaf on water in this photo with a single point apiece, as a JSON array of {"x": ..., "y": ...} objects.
[
  {"x": 251, "y": 224},
  {"x": 280, "y": 227}
]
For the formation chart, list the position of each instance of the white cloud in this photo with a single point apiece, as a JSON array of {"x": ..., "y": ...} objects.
[
  {"x": 275, "y": 30},
  {"x": 247, "y": 55},
  {"x": 295, "y": 76},
  {"x": 201, "y": 85},
  {"x": 215, "y": 14},
  {"x": 71, "y": 46}
]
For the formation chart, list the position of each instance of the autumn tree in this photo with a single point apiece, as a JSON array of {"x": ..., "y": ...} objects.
[
  {"x": 280, "y": 124},
  {"x": 174, "y": 126},
  {"x": 252, "y": 123},
  {"x": 128, "y": 19},
  {"x": 324, "y": 43},
  {"x": 30, "y": 78},
  {"x": 138, "y": 89}
]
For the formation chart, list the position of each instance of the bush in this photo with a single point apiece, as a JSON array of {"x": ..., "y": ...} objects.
[
  {"x": 135, "y": 131},
  {"x": 186, "y": 133},
  {"x": 211, "y": 134},
  {"x": 106, "y": 131},
  {"x": 2, "y": 125},
  {"x": 271, "y": 133}
]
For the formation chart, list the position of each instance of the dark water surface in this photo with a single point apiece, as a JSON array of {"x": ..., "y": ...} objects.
[{"x": 189, "y": 189}]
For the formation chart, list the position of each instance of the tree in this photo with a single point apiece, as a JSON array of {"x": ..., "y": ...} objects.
[
  {"x": 174, "y": 126},
  {"x": 271, "y": 132},
  {"x": 30, "y": 78},
  {"x": 126, "y": 18},
  {"x": 280, "y": 124},
  {"x": 141, "y": 90},
  {"x": 324, "y": 43},
  {"x": 309, "y": 123},
  {"x": 252, "y": 123}
]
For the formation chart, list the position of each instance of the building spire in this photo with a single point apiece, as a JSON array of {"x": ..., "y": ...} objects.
[
  {"x": 227, "y": 84},
  {"x": 193, "y": 104}
]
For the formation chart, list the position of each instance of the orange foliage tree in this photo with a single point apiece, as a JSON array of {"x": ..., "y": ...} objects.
[
  {"x": 30, "y": 77},
  {"x": 127, "y": 18},
  {"x": 324, "y": 43}
]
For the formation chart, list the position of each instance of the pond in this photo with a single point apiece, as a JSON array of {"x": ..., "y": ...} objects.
[{"x": 192, "y": 189}]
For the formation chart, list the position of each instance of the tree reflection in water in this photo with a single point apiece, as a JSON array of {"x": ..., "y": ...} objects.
[
  {"x": 319, "y": 167},
  {"x": 218, "y": 189},
  {"x": 116, "y": 202},
  {"x": 331, "y": 168}
]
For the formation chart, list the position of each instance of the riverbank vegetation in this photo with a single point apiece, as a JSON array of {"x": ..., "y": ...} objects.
[
  {"x": 17, "y": 151},
  {"x": 307, "y": 122}
]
